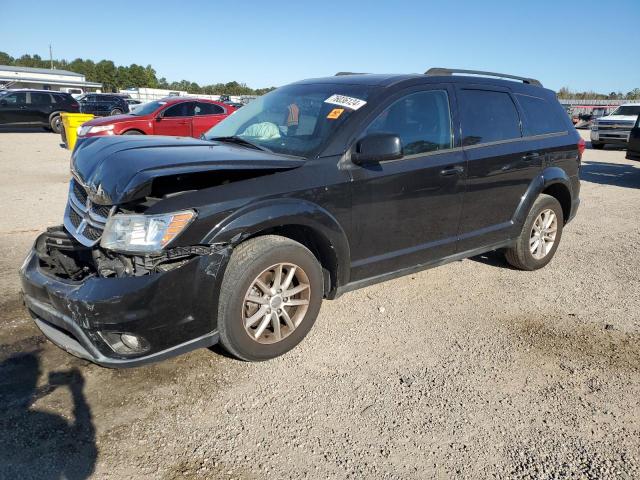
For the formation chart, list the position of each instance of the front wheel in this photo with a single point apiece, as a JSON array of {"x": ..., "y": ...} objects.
[
  {"x": 116, "y": 111},
  {"x": 540, "y": 235},
  {"x": 270, "y": 297}
]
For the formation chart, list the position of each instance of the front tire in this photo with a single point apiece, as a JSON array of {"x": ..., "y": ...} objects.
[
  {"x": 270, "y": 297},
  {"x": 540, "y": 235},
  {"x": 116, "y": 111}
]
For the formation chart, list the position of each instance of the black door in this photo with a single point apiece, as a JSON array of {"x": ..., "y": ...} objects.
[
  {"x": 41, "y": 106},
  {"x": 14, "y": 109},
  {"x": 501, "y": 165},
  {"x": 406, "y": 211}
]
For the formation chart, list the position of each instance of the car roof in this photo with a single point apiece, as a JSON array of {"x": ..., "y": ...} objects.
[
  {"x": 389, "y": 80},
  {"x": 13, "y": 90}
]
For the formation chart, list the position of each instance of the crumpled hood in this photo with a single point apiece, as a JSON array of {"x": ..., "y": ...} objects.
[{"x": 119, "y": 169}]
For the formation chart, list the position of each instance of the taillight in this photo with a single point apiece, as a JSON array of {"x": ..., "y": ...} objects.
[{"x": 581, "y": 146}]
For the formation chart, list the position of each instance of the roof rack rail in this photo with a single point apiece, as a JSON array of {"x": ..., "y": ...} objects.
[
  {"x": 433, "y": 72},
  {"x": 340, "y": 74}
]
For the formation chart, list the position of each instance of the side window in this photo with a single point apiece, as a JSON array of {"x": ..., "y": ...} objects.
[
  {"x": 422, "y": 120},
  {"x": 184, "y": 109},
  {"x": 203, "y": 108},
  {"x": 40, "y": 98},
  {"x": 19, "y": 98},
  {"x": 540, "y": 117},
  {"x": 487, "y": 116}
]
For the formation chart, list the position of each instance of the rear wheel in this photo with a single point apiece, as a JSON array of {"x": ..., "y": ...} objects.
[
  {"x": 540, "y": 235},
  {"x": 56, "y": 123},
  {"x": 270, "y": 297}
]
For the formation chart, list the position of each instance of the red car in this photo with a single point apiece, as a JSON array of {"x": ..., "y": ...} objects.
[{"x": 175, "y": 116}]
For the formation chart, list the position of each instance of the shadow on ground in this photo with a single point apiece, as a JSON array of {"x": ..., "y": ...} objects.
[
  {"x": 493, "y": 259},
  {"x": 35, "y": 444},
  {"x": 618, "y": 174}
]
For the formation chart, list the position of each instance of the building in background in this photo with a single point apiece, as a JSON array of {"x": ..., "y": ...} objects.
[{"x": 45, "y": 79}]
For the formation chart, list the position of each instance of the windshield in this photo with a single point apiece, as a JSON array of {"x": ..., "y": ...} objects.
[
  {"x": 147, "y": 108},
  {"x": 295, "y": 119},
  {"x": 627, "y": 110}
]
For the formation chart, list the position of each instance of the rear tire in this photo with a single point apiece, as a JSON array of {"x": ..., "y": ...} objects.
[
  {"x": 540, "y": 235},
  {"x": 56, "y": 123},
  {"x": 259, "y": 317},
  {"x": 597, "y": 146}
]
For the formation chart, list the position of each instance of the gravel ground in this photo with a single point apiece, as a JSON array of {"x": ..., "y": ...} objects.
[{"x": 471, "y": 370}]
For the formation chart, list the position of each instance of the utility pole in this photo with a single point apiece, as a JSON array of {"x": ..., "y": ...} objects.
[{"x": 51, "y": 57}]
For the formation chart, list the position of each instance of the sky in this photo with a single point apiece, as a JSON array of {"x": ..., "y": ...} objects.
[{"x": 585, "y": 45}]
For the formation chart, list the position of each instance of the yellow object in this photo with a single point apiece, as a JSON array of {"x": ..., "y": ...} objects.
[
  {"x": 70, "y": 124},
  {"x": 335, "y": 113}
]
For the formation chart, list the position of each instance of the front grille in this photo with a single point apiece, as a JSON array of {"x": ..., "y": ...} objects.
[
  {"x": 84, "y": 219},
  {"x": 619, "y": 126}
]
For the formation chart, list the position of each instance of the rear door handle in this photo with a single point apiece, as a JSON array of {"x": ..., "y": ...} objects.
[
  {"x": 530, "y": 156},
  {"x": 455, "y": 170}
]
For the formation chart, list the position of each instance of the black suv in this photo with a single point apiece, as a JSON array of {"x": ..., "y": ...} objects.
[
  {"x": 35, "y": 108},
  {"x": 317, "y": 188},
  {"x": 103, "y": 104}
]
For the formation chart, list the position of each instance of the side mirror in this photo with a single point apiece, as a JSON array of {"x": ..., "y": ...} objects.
[
  {"x": 377, "y": 147},
  {"x": 159, "y": 117}
]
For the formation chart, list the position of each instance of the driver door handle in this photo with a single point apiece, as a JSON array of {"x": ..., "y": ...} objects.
[
  {"x": 530, "y": 156},
  {"x": 453, "y": 170}
]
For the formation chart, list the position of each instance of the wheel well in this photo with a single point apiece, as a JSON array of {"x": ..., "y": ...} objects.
[
  {"x": 562, "y": 194},
  {"x": 317, "y": 243}
]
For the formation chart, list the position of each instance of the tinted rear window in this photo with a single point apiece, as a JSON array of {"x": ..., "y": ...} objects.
[
  {"x": 488, "y": 116},
  {"x": 540, "y": 116}
]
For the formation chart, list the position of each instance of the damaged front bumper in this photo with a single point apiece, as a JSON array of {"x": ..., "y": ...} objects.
[{"x": 168, "y": 312}]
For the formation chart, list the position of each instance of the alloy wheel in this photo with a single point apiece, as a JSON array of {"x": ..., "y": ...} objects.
[
  {"x": 276, "y": 303},
  {"x": 543, "y": 234}
]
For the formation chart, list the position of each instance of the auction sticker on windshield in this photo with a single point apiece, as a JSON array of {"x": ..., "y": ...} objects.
[{"x": 344, "y": 101}]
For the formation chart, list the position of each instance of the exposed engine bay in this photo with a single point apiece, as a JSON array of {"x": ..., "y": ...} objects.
[{"x": 62, "y": 256}]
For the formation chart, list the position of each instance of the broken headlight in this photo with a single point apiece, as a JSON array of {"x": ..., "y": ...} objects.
[{"x": 144, "y": 233}]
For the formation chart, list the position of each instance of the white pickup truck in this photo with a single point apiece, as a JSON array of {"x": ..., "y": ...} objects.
[{"x": 615, "y": 128}]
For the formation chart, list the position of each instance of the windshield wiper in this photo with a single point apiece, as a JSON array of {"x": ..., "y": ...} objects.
[{"x": 239, "y": 141}]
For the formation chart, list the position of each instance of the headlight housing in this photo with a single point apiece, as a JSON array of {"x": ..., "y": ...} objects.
[
  {"x": 144, "y": 233},
  {"x": 85, "y": 130}
]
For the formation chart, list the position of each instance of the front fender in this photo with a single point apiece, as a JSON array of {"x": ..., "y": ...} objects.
[
  {"x": 549, "y": 176},
  {"x": 268, "y": 214}
]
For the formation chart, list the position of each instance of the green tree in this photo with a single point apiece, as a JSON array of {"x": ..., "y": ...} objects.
[
  {"x": 6, "y": 59},
  {"x": 107, "y": 74}
]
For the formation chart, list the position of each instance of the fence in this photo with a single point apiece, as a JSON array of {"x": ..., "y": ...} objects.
[{"x": 151, "y": 94}]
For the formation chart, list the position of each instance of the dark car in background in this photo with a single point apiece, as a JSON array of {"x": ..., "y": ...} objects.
[
  {"x": 103, "y": 104},
  {"x": 175, "y": 116},
  {"x": 633, "y": 147},
  {"x": 35, "y": 108},
  {"x": 312, "y": 190}
]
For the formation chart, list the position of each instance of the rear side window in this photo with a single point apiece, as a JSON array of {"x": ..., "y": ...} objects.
[
  {"x": 488, "y": 116},
  {"x": 203, "y": 108},
  {"x": 540, "y": 116},
  {"x": 40, "y": 98},
  {"x": 422, "y": 121}
]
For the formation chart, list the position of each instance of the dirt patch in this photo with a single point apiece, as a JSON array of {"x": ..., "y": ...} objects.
[{"x": 594, "y": 344}]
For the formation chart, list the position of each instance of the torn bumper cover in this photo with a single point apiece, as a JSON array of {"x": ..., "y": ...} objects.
[{"x": 127, "y": 321}]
